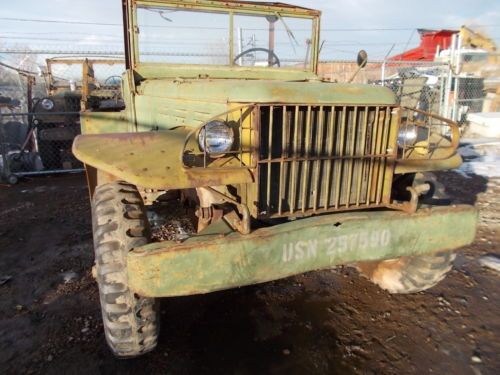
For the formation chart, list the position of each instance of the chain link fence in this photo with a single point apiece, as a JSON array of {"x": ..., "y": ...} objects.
[
  {"x": 40, "y": 113},
  {"x": 474, "y": 87},
  {"x": 450, "y": 91},
  {"x": 415, "y": 84}
]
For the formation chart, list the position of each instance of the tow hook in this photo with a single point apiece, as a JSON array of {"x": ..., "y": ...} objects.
[{"x": 415, "y": 192}]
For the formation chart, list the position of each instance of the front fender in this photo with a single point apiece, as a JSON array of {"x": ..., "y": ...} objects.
[{"x": 151, "y": 160}]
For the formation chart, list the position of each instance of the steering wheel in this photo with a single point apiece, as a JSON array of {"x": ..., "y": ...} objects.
[
  {"x": 276, "y": 60},
  {"x": 111, "y": 78}
]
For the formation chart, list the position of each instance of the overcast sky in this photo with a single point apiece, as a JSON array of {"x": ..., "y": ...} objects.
[{"x": 350, "y": 14}]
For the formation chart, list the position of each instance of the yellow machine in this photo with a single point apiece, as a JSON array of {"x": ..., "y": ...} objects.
[{"x": 475, "y": 39}]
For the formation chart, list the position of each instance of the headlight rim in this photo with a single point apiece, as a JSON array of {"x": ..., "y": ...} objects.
[
  {"x": 403, "y": 141},
  {"x": 50, "y": 107},
  {"x": 202, "y": 138}
]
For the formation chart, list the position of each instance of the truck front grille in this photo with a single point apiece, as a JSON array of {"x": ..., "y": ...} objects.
[{"x": 317, "y": 159}]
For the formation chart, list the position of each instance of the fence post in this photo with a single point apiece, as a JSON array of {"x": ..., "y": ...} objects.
[
  {"x": 456, "y": 99},
  {"x": 442, "y": 91},
  {"x": 383, "y": 73}
]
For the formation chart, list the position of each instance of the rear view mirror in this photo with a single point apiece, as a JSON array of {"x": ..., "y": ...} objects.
[{"x": 362, "y": 58}]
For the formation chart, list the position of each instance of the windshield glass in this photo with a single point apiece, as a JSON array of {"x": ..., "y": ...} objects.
[
  {"x": 272, "y": 41},
  {"x": 179, "y": 36},
  {"x": 62, "y": 73}
]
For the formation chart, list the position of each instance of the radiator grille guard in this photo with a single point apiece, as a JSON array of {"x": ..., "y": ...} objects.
[{"x": 315, "y": 159}]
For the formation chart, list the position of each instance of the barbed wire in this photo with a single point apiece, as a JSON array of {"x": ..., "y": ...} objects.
[
  {"x": 120, "y": 54},
  {"x": 78, "y": 22},
  {"x": 328, "y": 44}
]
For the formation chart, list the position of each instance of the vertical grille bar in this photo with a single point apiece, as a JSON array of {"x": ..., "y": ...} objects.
[
  {"x": 284, "y": 133},
  {"x": 294, "y": 163},
  {"x": 352, "y": 151},
  {"x": 372, "y": 158},
  {"x": 384, "y": 146},
  {"x": 378, "y": 150},
  {"x": 362, "y": 162},
  {"x": 330, "y": 139},
  {"x": 305, "y": 171},
  {"x": 318, "y": 152},
  {"x": 340, "y": 162},
  {"x": 269, "y": 156}
]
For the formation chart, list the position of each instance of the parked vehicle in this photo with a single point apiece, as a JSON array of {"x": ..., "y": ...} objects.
[
  {"x": 278, "y": 172},
  {"x": 57, "y": 115}
]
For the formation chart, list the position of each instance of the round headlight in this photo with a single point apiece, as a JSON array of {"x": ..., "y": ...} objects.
[
  {"x": 407, "y": 135},
  {"x": 47, "y": 104},
  {"x": 216, "y": 137}
]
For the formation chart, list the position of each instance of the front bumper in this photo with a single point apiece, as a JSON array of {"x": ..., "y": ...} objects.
[{"x": 209, "y": 263}]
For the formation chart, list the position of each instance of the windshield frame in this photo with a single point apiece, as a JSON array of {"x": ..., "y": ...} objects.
[{"x": 232, "y": 8}]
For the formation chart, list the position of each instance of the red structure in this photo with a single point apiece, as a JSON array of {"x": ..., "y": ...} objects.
[{"x": 429, "y": 41}]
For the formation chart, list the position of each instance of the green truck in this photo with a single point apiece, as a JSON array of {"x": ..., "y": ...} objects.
[{"x": 279, "y": 171}]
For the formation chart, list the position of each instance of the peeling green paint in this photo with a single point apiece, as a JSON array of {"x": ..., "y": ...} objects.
[{"x": 204, "y": 264}]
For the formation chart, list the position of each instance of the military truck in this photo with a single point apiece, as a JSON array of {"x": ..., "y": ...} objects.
[
  {"x": 279, "y": 172},
  {"x": 56, "y": 116}
]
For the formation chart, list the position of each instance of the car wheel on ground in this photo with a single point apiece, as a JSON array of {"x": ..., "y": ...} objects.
[
  {"x": 131, "y": 322},
  {"x": 418, "y": 273}
]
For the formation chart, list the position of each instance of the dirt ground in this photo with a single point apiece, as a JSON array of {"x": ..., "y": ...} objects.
[{"x": 327, "y": 322}]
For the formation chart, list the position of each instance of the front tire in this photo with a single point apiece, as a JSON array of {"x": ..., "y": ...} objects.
[
  {"x": 131, "y": 322},
  {"x": 408, "y": 274},
  {"x": 413, "y": 274}
]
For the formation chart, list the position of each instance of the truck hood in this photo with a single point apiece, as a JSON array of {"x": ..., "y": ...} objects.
[
  {"x": 267, "y": 91},
  {"x": 166, "y": 103}
]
